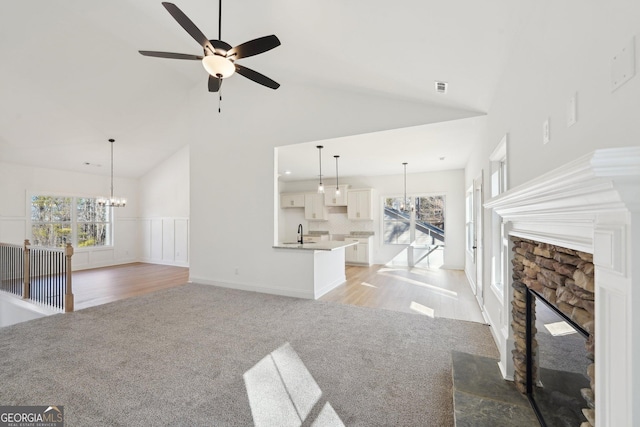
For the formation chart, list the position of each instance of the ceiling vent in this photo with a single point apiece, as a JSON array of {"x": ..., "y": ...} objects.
[{"x": 441, "y": 87}]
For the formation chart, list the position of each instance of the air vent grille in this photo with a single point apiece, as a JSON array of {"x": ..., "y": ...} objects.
[{"x": 441, "y": 87}]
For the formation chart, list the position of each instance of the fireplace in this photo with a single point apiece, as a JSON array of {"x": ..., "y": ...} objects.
[
  {"x": 591, "y": 206},
  {"x": 553, "y": 321}
]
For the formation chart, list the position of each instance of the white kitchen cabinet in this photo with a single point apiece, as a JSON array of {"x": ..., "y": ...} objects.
[
  {"x": 330, "y": 198},
  {"x": 314, "y": 208},
  {"x": 359, "y": 204},
  {"x": 292, "y": 200},
  {"x": 360, "y": 253}
]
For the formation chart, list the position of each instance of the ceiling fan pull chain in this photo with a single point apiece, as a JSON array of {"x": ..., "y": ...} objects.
[{"x": 220, "y": 95}]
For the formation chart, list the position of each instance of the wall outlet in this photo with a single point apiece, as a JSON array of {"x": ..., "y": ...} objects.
[
  {"x": 546, "y": 133},
  {"x": 623, "y": 65},
  {"x": 572, "y": 113}
]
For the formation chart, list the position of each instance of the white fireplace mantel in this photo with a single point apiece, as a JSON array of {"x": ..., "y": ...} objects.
[{"x": 593, "y": 205}]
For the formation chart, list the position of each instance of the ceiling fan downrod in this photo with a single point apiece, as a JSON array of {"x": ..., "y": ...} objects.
[{"x": 219, "y": 19}]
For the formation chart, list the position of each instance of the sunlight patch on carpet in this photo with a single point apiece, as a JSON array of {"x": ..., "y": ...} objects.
[{"x": 282, "y": 392}]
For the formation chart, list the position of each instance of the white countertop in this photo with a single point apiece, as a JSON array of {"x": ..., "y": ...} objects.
[{"x": 323, "y": 245}]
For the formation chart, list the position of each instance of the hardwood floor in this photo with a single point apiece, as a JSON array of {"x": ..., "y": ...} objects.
[
  {"x": 431, "y": 292},
  {"x": 102, "y": 285},
  {"x": 424, "y": 291}
]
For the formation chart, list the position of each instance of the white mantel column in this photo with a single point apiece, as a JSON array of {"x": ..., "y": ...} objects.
[{"x": 616, "y": 329}]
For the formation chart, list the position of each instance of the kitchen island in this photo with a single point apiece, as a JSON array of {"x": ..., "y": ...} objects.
[{"x": 327, "y": 259}]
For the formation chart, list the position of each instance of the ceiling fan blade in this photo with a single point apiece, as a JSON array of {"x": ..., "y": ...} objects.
[
  {"x": 169, "y": 55},
  {"x": 256, "y": 77},
  {"x": 254, "y": 47},
  {"x": 214, "y": 84},
  {"x": 188, "y": 25}
]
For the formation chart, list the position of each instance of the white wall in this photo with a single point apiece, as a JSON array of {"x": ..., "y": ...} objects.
[
  {"x": 164, "y": 212},
  {"x": 449, "y": 183},
  {"x": 18, "y": 182},
  {"x": 234, "y": 199},
  {"x": 14, "y": 309},
  {"x": 564, "y": 48},
  {"x": 164, "y": 191}
]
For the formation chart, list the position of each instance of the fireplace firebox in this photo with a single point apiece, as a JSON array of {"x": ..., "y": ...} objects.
[
  {"x": 557, "y": 365},
  {"x": 553, "y": 318}
]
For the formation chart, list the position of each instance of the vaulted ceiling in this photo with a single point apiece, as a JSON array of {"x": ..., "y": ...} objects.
[{"x": 71, "y": 77}]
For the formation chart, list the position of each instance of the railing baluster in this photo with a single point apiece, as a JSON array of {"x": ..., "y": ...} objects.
[
  {"x": 59, "y": 284},
  {"x": 42, "y": 275}
]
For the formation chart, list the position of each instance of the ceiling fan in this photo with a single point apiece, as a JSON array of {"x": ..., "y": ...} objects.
[{"x": 219, "y": 58}]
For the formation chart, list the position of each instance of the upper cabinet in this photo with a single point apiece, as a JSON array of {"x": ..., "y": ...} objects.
[
  {"x": 292, "y": 200},
  {"x": 330, "y": 198},
  {"x": 359, "y": 204},
  {"x": 314, "y": 208}
]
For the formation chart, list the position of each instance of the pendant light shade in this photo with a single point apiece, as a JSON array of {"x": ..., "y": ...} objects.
[
  {"x": 320, "y": 186},
  {"x": 114, "y": 202},
  {"x": 337, "y": 188}
]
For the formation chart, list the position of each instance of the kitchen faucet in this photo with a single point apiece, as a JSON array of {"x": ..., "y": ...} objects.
[{"x": 300, "y": 233}]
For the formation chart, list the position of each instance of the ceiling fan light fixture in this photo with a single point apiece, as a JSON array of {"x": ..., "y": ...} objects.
[{"x": 218, "y": 66}]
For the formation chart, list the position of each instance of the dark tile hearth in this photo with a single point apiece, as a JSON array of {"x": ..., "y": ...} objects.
[{"x": 482, "y": 398}]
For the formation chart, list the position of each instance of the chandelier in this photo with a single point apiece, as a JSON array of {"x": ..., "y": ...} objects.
[{"x": 112, "y": 202}]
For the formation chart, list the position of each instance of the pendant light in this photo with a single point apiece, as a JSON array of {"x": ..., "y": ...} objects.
[
  {"x": 113, "y": 202},
  {"x": 406, "y": 204},
  {"x": 320, "y": 186},
  {"x": 337, "y": 188}
]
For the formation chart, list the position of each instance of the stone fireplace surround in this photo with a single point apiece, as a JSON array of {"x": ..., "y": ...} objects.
[{"x": 591, "y": 205}]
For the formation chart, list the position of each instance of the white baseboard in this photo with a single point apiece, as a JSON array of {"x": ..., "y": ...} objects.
[
  {"x": 164, "y": 262},
  {"x": 330, "y": 287},
  {"x": 253, "y": 288},
  {"x": 451, "y": 267}
]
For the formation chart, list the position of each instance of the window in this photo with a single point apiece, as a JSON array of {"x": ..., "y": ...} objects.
[
  {"x": 397, "y": 223},
  {"x": 424, "y": 227},
  {"x": 93, "y": 223},
  {"x": 429, "y": 220},
  {"x": 498, "y": 239},
  {"x": 469, "y": 219},
  {"x": 50, "y": 221},
  {"x": 56, "y": 221}
]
